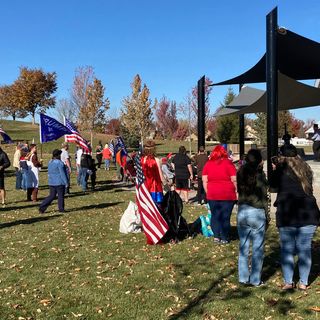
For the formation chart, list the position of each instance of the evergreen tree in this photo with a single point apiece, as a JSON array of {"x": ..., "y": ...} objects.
[
  {"x": 136, "y": 114},
  {"x": 260, "y": 126},
  {"x": 228, "y": 126}
]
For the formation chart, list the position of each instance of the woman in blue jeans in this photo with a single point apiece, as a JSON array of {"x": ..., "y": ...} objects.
[
  {"x": 251, "y": 220},
  {"x": 297, "y": 215}
]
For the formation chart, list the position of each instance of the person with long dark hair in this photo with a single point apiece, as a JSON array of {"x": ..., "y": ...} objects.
[
  {"x": 297, "y": 215},
  {"x": 251, "y": 219},
  {"x": 219, "y": 183},
  {"x": 183, "y": 173}
]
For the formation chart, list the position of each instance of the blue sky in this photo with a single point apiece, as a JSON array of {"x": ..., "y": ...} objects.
[{"x": 170, "y": 43}]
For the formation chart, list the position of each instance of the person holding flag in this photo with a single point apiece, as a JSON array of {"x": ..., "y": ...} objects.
[
  {"x": 148, "y": 187},
  {"x": 152, "y": 171}
]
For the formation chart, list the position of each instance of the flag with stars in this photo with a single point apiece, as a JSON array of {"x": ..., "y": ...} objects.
[
  {"x": 154, "y": 225},
  {"x": 75, "y": 137}
]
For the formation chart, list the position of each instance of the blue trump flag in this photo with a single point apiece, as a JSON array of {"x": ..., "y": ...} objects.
[
  {"x": 5, "y": 136},
  {"x": 51, "y": 129},
  {"x": 120, "y": 144}
]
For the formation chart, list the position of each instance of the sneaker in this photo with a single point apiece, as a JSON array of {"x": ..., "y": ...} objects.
[
  {"x": 216, "y": 240},
  {"x": 261, "y": 284},
  {"x": 224, "y": 241}
]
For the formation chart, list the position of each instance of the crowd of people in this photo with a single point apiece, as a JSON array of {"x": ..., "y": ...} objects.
[{"x": 220, "y": 184}]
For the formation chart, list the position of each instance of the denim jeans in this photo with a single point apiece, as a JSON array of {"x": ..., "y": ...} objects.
[
  {"x": 296, "y": 241},
  {"x": 83, "y": 173},
  {"x": 18, "y": 179},
  {"x": 251, "y": 224},
  {"x": 24, "y": 179},
  {"x": 107, "y": 163},
  {"x": 220, "y": 217},
  {"x": 54, "y": 191}
]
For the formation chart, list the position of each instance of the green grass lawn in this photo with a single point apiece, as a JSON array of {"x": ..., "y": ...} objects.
[{"x": 78, "y": 266}]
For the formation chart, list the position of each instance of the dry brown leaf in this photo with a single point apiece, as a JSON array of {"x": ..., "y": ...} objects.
[{"x": 316, "y": 309}]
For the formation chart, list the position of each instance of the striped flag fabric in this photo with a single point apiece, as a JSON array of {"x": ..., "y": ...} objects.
[
  {"x": 154, "y": 225},
  {"x": 75, "y": 137},
  {"x": 5, "y": 136},
  {"x": 111, "y": 147}
]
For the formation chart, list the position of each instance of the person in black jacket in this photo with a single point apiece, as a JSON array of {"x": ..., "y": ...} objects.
[
  {"x": 4, "y": 164},
  {"x": 85, "y": 169},
  {"x": 297, "y": 215}
]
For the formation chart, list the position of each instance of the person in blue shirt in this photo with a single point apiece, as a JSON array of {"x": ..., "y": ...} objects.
[{"x": 57, "y": 180}]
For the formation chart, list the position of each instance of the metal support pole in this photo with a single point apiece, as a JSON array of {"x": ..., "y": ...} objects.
[
  {"x": 201, "y": 112},
  {"x": 241, "y": 132},
  {"x": 272, "y": 87}
]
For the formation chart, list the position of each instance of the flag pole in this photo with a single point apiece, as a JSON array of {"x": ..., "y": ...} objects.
[{"x": 40, "y": 137}]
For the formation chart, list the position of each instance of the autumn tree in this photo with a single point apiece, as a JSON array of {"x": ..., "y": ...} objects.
[
  {"x": 166, "y": 117},
  {"x": 79, "y": 93},
  {"x": 212, "y": 126},
  {"x": 228, "y": 126},
  {"x": 92, "y": 115},
  {"x": 182, "y": 131},
  {"x": 193, "y": 101},
  {"x": 284, "y": 122},
  {"x": 136, "y": 113},
  {"x": 297, "y": 128},
  {"x": 113, "y": 127},
  {"x": 7, "y": 104},
  {"x": 66, "y": 110},
  {"x": 308, "y": 124},
  {"x": 33, "y": 91}
]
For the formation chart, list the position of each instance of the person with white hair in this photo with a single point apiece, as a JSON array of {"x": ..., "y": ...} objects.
[{"x": 107, "y": 155}]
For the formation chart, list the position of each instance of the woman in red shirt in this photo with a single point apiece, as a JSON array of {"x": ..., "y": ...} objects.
[{"x": 219, "y": 183}]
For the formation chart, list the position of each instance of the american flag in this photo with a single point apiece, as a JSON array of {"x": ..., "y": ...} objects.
[
  {"x": 75, "y": 137},
  {"x": 111, "y": 147},
  {"x": 154, "y": 225},
  {"x": 5, "y": 136}
]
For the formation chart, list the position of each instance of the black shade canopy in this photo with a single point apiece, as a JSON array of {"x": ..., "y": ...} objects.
[
  {"x": 298, "y": 58},
  {"x": 291, "y": 95}
]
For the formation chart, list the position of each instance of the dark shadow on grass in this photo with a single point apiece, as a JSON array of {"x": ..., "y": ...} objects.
[
  {"x": 27, "y": 205},
  {"x": 28, "y": 221},
  {"x": 98, "y": 206},
  {"x": 315, "y": 268},
  {"x": 204, "y": 297}
]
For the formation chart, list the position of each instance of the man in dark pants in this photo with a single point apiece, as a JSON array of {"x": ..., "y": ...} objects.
[
  {"x": 200, "y": 160},
  {"x": 57, "y": 180},
  {"x": 316, "y": 142},
  {"x": 4, "y": 164}
]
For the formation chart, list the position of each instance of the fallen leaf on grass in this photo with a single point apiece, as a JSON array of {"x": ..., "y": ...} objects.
[
  {"x": 77, "y": 315},
  {"x": 316, "y": 309},
  {"x": 272, "y": 302},
  {"x": 45, "y": 302}
]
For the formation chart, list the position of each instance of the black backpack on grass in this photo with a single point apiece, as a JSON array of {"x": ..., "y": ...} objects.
[{"x": 172, "y": 213}]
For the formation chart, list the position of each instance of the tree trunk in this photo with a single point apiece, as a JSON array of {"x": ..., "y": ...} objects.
[
  {"x": 14, "y": 117},
  {"x": 33, "y": 117}
]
